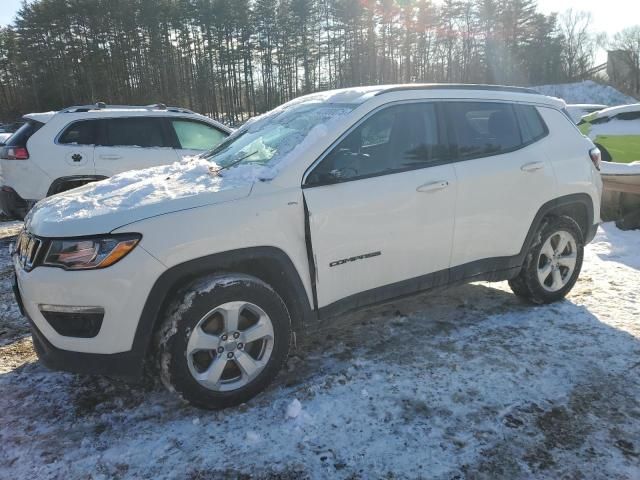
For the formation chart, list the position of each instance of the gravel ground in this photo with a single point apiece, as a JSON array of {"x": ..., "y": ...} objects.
[{"x": 463, "y": 383}]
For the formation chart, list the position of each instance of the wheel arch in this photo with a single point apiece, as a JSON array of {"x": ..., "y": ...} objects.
[
  {"x": 269, "y": 264},
  {"x": 58, "y": 185},
  {"x": 578, "y": 206}
]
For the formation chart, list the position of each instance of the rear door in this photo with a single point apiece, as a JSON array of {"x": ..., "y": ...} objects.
[
  {"x": 504, "y": 177},
  {"x": 129, "y": 143},
  {"x": 194, "y": 136},
  {"x": 76, "y": 144},
  {"x": 381, "y": 207}
]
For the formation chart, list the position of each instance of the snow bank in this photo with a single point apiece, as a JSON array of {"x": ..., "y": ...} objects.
[
  {"x": 586, "y": 92},
  {"x": 615, "y": 245}
]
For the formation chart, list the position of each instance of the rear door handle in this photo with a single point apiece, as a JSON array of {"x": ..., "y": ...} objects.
[
  {"x": 433, "y": 186},
  {"x": 110, "y": 157},
  {"x": 532, "y": 167}
]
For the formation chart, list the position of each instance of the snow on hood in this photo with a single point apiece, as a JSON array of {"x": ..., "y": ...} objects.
[{"x": 138, "y": 194}]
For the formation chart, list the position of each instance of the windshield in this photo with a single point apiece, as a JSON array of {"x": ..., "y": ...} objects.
[{"x": 268, "y": 140}]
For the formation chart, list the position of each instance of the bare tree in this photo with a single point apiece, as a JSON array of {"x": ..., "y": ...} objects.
[
  {"x": 579, "y": 43},
  {"x": 627, "y": 45}
]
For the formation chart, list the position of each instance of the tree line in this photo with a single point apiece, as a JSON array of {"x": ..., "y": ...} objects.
[{"x": 231, "y": 59}]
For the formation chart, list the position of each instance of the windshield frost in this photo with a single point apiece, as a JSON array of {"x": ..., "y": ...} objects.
[{"x": 269, "y": 141}]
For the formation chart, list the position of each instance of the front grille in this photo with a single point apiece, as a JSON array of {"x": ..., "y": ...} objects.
[{"x": 27, "y": 248}]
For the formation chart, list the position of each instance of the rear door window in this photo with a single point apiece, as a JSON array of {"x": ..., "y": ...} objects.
[
  {"x": 79, "y": 133},
  {"x": 193, "y": 135},
  {"x": 23, "y": 134},
  {"x": 143, "y": 132},
  {"x": 482, "y": 129}
]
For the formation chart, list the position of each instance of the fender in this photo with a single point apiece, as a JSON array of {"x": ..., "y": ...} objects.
[{"x": 267, "y": 263}]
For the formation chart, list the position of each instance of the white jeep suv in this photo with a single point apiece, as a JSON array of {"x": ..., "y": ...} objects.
[
  {"x": 331, "y": 202},
  {"x": 57, "y": 151}
]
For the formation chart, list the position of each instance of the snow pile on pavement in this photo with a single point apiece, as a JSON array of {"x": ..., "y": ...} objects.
[
  {"x": 587, "y": 91},
  {"x": 618, "y": 246},
  {"x": 468, "y": 382}
]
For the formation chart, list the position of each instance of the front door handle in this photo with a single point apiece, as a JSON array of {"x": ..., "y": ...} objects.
[
  {"x": 433, "y": 186},
  {"x": 532, "y": 167},
  {"x": 110, "y": 157}
]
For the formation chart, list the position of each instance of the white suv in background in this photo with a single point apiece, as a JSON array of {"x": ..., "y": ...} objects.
[
  {"x": 56, "y": 151},
  {"x": 331, "y": 202}
]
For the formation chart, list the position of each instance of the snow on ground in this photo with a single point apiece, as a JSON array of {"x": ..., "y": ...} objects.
[
  {"x": 587, "y": 91},
  {"x": 461, "y": 383}
]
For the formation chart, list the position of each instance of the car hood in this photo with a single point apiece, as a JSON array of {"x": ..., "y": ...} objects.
[{"x": 101, "y": 207}]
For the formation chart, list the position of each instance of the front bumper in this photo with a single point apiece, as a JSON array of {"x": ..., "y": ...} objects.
[
  {"x": 126, "y": 364},
  {"x": 121, "y": 290}
]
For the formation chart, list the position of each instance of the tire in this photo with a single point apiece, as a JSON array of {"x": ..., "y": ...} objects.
[
  {"x": 550, "y": 271},
  {"x": 199, "y": 356}
]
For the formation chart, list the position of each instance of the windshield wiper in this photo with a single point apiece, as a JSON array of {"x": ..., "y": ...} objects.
[{"x": 235, "y": 162}]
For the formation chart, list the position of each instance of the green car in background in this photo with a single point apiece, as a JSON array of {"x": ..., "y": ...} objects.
[{"x": 615, "y": 131}]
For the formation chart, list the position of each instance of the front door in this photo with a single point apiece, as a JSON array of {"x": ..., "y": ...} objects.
[{"x": 381, "y": 208}]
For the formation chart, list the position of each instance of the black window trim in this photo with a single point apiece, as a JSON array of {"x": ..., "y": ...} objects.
[
  {"x": 174, "y": 134},
  {"x": 444, "y": 131}
]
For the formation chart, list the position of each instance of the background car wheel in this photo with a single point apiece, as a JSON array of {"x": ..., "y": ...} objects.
[
  {"x": 553, "y": 262},
  {"x": 223, "y": 340}
]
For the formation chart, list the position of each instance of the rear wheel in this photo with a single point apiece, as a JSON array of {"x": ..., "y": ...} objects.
[
  {"x": 553, "y": 262},
  {"x": 223, "y": 340}
]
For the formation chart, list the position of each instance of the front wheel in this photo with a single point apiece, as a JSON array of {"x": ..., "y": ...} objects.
[
  {"x": 553, "y": 263},
  {"x": 223, "y": 340}
]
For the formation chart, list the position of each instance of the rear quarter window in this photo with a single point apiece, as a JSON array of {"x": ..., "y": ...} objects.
[
  {"x": 23, "y": 134},
  {"x": 531, "y": 124}
]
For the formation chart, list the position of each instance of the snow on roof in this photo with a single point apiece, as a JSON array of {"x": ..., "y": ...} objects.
[
  {"x": 586, "y": 105},
  {"x": 611, "y": 111}
]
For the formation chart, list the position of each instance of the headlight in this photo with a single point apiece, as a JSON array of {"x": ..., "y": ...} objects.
[{"x": 87, "y": 253}]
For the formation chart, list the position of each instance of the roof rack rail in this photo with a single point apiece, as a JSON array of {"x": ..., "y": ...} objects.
[
  {"x": 103, "y": 105},
  {"x": 457, "y": 86}
]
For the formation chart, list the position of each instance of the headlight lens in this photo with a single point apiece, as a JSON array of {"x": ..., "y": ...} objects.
[{"x": 88, "y": 253}]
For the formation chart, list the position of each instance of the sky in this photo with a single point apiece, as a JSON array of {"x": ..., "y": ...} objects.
[{"x": 609, "y": 16}]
